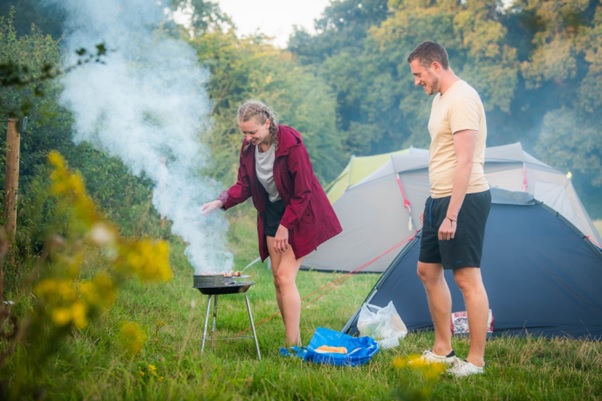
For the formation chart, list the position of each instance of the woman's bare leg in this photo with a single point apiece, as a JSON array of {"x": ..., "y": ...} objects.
[{"x": 285, "y": 267}]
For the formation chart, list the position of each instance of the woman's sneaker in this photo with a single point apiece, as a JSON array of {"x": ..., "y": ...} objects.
[
  {"x": 429, "y": 357},
  {"x": 464, "y": 368}
]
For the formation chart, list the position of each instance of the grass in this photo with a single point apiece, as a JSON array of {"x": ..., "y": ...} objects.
[{"x": 92, "y": 366}]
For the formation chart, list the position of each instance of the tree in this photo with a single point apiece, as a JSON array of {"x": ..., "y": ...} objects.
[
  {"x": 342, "y": 28},
  {"x": 570, "y": 137},
  {"x": 29, "y": 65},
  {"x": 47, "y": 17},
  {"x": 26, "y": 64},
  {"x": 203, "y": 16},
  {"x": 249, "y": 68},
  {"x": 529, "y": 62}
]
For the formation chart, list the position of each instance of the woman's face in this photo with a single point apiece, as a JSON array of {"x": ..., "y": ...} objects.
[{"x": 255, "y": 132}]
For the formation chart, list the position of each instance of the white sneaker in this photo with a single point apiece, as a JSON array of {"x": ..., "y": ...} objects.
[
  {"x": 464, "y": 368},
  {"x": 429, "y": 357}
]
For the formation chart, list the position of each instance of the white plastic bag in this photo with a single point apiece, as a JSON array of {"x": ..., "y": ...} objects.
[{"x": 382, "y": 324}]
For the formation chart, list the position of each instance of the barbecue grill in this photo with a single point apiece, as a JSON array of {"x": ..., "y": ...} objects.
[{"x": 214, "y": 285}]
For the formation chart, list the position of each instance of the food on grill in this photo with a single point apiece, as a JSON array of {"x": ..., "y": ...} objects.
[
  {"x": 232, "y": 274},
  {"x": 331, "y": 349}
]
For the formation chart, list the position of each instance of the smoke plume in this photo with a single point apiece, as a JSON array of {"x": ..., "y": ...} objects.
[{"x": 147, "y": 106}]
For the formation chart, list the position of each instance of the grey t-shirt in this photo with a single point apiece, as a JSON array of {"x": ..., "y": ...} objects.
[{"x": 264, "y": 166}]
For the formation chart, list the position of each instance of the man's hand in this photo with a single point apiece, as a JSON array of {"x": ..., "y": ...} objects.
[{"x": 447, "y": 230}]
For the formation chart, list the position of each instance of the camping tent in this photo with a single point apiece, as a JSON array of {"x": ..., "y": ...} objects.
[
  {"x": 542, "y": 276},
  {"x": 381, "y": 213},
  {"x": 360, "y": 167}
]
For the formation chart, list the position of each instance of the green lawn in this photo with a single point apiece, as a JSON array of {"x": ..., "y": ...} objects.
[
  {"x": 93, "y": 363},
  {"x": 170, "y": 367}
]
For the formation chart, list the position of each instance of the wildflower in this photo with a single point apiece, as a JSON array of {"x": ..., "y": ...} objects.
[
  {"x": 101, "y": 234},
  {"x": 417, "y": 377},
  {"x": 79, "y": 312},
  {"x": 132, "y": 338},
  {"x": 70, "y": 187},
  {"x": 61, "y": 316},
  {"x": 100, "y": 291},
  {"x": 152, "y": 370},
  {"x": 149, "y": 260}
]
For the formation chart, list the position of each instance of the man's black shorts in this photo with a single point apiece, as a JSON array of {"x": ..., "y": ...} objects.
[{"x": 466, "y": 249}]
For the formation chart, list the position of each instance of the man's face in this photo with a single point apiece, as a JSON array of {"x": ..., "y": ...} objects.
[{"x": 425, "y": 77}]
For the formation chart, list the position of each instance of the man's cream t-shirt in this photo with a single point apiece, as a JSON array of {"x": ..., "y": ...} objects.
[{"x": 459, "y": 108}]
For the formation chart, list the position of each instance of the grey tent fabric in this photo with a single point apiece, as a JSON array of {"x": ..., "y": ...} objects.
[
  {"x": 543, "y": 277},
  {"x": 381, "y": 213}
]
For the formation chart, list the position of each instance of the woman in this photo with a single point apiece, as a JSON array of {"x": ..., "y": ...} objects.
[{"x": 294, "y": 215}]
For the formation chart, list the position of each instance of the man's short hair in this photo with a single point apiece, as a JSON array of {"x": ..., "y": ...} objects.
[{"x": 428, "y": 52}]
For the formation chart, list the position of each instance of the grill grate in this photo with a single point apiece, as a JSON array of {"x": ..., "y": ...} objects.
[{"x": 210, "y": 284}]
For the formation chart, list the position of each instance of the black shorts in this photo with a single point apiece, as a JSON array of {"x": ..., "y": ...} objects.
[
  {"x": 466, "y": 249},
  {"x": 273, "y": 214}
]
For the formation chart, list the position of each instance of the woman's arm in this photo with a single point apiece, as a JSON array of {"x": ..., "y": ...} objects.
[{"x": 236, "y": 194}]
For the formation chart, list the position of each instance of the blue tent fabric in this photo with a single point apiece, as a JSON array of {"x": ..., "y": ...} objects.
[{"x": 542, "y": 275}]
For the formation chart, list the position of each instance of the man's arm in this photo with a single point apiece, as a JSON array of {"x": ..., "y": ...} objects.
[{"x": 464, "y": 145}]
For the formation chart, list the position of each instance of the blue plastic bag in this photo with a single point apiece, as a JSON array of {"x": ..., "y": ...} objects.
[{"x": 359, "y": 349}]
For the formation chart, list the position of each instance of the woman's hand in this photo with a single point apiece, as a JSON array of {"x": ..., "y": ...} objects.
[
  {"x": 281, "y": 239},
  {"x": 211, "y": 206}
]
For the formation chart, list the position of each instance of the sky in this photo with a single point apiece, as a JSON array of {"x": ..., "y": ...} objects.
[{"x": 273, "y": 17}]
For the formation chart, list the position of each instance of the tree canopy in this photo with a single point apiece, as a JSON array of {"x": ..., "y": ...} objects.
[
  {"x": 535, "y": 64},
  {"x": 348, "y": 89}
]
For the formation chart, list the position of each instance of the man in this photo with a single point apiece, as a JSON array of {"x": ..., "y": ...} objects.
[{"x": 456, "y": 212}]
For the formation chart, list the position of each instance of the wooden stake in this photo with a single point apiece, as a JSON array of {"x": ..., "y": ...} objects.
[{"x": 13, "y": 143}]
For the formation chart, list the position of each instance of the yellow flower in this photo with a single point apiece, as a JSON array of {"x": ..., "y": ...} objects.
[
  {"x": 417, "y": 378},
  {"x": 56, "y": 159},
  {"x": 434, "y": 371},
  {"x": 131, "y": 337},
  {"x": 76, "y": 184},
  {"x": 152, "y": 370},
  {"x": 55, "y": 291},
  {"x": 100, "y": 291},
  {"x": 61, "y": 316},
  {"x": 398, "y": 362},
  {"x": 69, "y": 187},
  {"x": 148, "y": 259},
  {"x": 106, "y": 287},
  {"x": 428, "y": 371},
  {"x": 79, "y": 315}
]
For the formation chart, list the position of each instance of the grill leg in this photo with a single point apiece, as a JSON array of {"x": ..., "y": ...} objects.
[
  {"x": 253, "y": 326},
  {"x": 206, "y": 322},
  {"x": 214, "y": 318}
]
